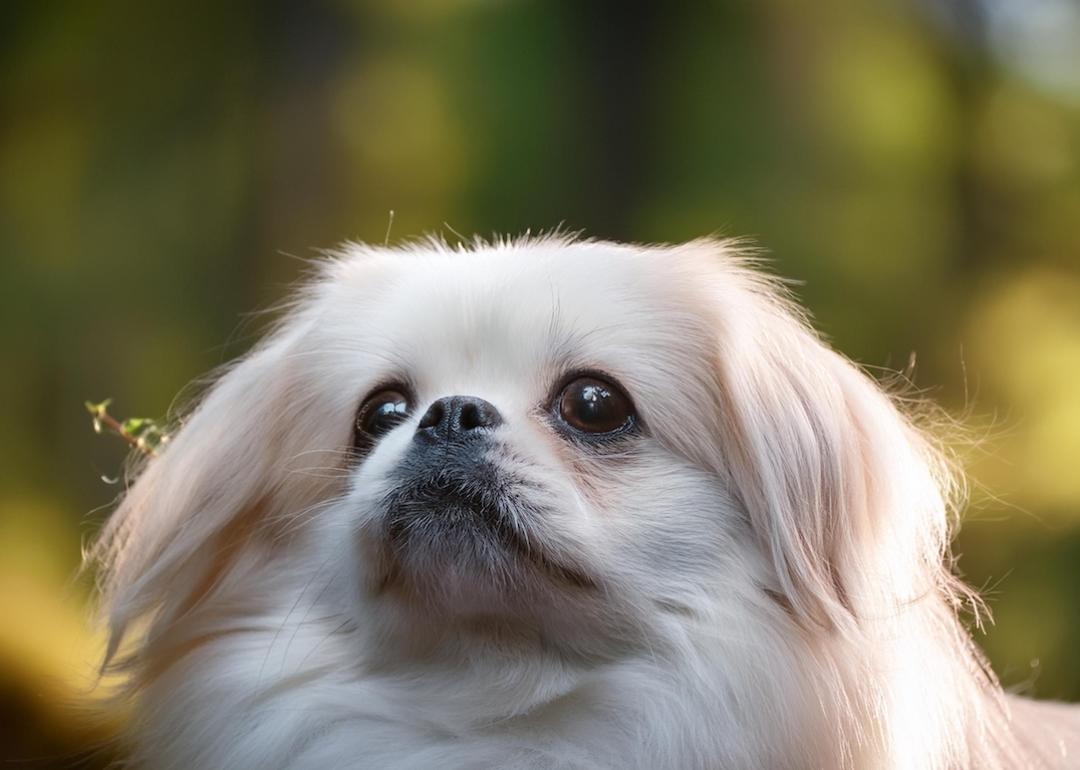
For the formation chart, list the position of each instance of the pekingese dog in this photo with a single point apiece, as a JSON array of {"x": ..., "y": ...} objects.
[{"x": 551, "y": 504}]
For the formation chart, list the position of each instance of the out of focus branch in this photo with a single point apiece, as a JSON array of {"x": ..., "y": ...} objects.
[{"x": 140, "y": 432}]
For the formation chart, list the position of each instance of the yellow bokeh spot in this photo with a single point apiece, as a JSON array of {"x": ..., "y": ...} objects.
[{"x": 1026, "y": 334}]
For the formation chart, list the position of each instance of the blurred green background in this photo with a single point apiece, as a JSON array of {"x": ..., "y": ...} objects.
[{"x": 163, "y": 167}]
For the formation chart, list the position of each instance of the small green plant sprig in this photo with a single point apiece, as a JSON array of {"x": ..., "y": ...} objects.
[{"x": 144, "y": 434}]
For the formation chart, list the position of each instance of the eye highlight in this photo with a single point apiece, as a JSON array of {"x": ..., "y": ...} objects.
[
  {"x": 380, "y": 413},
  {"x": 593, "y": 406}
]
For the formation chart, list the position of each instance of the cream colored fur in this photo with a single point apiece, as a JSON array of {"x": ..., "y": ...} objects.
[{"x": 769, "y": 565}]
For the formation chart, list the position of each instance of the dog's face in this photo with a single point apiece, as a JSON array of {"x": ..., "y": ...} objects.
[
  {"x": 585, "y": 438},
  {"x": 525, "y": 438},
  {"x": 510, "y": 464}
]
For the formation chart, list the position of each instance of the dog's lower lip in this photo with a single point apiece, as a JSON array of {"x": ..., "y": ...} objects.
[
  {"x": 442, "y": 500},
  {"x": 487, "y": 511},
  {"x": 450, "y": 514}
]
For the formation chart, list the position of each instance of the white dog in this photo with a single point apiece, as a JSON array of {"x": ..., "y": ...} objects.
[{"x": 551, "y": 504}]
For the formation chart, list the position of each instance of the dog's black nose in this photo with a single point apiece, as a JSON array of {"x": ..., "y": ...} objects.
[{"x": 457, "y": 417}]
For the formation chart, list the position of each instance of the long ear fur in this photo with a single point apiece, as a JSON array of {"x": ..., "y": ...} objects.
[
  {"x": 211, "y": 480},
  {"x": 851, "y": 502}
]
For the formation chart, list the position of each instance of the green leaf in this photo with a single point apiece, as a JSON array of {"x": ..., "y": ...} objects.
[
  {"x": 97, "y": 410},
  {"x": 136, "y": 425}
]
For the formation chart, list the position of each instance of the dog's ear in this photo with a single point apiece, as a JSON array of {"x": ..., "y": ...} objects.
[
  {"x": 213, "y": 483},
  {"x": 849, "y": 498}
]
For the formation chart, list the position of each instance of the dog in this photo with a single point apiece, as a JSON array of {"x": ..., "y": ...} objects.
[{"x": 551, "y": 503}]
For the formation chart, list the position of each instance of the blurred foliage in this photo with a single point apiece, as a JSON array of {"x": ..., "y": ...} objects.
[
  {"x": 914, "y": 164},
  {"x": 142, "y": 433}
]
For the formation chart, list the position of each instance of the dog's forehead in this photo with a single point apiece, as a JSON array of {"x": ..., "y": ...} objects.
[
  {"x": 519, "y": 309},
  {"x": 528, "y": 302},
  {"x": 488, "y": 297}
]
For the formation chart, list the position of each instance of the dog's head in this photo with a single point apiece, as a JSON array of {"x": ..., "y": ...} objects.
[{"x": 582, "y": 439}]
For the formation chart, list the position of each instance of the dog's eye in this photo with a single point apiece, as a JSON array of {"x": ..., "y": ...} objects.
[
  {"x": 381, "y": 413},
  {"x": 590, "y": 405}
]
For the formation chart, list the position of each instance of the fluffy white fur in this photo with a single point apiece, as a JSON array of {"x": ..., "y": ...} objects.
[{"x": 767, "y": 563}]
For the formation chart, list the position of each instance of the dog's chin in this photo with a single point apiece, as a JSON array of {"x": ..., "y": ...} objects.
[{"x": 452, "y": 546}]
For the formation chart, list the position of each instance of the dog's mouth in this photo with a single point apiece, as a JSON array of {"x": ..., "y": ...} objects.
[{"x": 469, "y": 525}]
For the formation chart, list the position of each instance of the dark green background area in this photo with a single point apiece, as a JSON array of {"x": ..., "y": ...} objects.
[{"x": 166, "y": 168}]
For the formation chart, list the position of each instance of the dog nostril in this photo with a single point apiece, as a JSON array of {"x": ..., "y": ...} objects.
[
  {"x": 475, "y": 413},
  {"x": 433, "y": 416},
  {"x": 470, "y": 417}
]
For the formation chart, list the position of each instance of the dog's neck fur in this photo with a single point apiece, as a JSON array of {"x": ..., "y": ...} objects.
[{"x": 525, "y": 703}]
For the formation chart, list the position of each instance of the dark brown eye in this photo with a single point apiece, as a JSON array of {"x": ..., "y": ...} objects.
[
  {"x": 382, "y": 412},
  {"x": 591, "y": 405}
]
